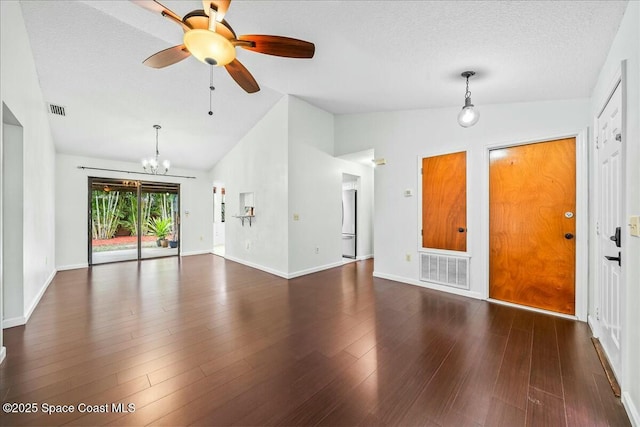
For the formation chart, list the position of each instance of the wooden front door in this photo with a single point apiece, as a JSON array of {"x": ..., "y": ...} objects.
[
  {"x": 532, "y": 202},
  {"x": 444, "y": 202}
]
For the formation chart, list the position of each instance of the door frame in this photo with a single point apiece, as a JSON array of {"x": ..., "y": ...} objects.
[
  {"x": 582, "y": 220},
  {"x": 619, "y": 78},
  {"x": 138, "y": 193}
]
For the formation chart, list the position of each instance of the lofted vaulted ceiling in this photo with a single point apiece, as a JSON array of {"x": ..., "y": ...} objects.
[{"x": 370, "y": 56}]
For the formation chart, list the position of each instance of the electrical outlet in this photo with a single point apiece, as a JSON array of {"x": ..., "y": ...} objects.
[
  {"x": 201, "y": 238},
  {"x": 317, "y": 250},
  {"x": 407, "y": 257}
]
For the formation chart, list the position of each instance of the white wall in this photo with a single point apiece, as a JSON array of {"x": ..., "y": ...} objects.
[
  {"x": 404, "y": 136},
  {"x": 315, "y": 192},
  {"x": 258, "y": 164},
  {"x": 20, "y": 91},
  {"x": 287, "y": 161},
  {"x": 196, "y": 234},
  {"x": 12, "y": 215},
  {"x": 626, "y": 46}
]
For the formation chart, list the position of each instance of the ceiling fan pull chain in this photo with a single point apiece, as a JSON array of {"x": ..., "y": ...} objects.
[{"x": 211, "y": 89}]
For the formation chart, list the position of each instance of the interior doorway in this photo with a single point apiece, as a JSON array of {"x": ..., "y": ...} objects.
[
  {"x": 532, "y": 225},
  {"x": 350, "y": 187},
  {"x": 11, "y": 253},
  {"x": 219, "y": 220},
  {"x": 132, "y": 220}
]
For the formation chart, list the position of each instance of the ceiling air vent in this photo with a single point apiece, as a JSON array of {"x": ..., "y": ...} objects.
[{"x": 58, "y": 110}]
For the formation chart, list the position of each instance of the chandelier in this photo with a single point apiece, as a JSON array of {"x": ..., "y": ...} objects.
[{"x": 151, "y": 165}]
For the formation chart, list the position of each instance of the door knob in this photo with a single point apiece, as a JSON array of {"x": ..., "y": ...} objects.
[
  {"x": 461, "y": 230},
  {"x": 616, "y": 237},
  {"x": 615, "y": 258},
  {"x": 568, "y": 236}
]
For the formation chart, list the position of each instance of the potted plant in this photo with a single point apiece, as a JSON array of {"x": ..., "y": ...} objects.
[
  {"x": 160, "y": 227},
  {"x": 173, "y": 243}
]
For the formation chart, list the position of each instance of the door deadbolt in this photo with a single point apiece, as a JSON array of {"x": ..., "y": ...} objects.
[{"x": 568, "y": 236}]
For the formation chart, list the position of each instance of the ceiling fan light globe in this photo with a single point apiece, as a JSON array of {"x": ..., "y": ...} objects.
[
  {"x": 468, "y": 116},
  {"x": 166, "y": 164},
  {"x": 209, "y": 47}
]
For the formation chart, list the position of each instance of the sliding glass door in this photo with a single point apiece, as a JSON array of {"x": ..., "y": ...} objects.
[
  {"x": 161, "y": 214},
  {"x": 132, "y": 220}
]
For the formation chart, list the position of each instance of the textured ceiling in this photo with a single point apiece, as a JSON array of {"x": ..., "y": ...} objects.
[{"x": 370, "y": 56}]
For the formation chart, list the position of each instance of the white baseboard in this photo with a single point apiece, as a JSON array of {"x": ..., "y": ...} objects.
[
  {"x": 435, "y": 287},
  {"x": 281, "y": 273},
  {"x": 363, "y": 257},
  {"x": 38, "y": 297},
  {"x": 257, "y": 266},
  {"x": 22, "y": 320},
  {"x": 632, "y": 409},
  {"x": 3, "y": 354},
  {"x": 72, "y": 267},
  {"x": 593, "y": 325},
  {"x": 314, "y": 269},
  {"x": 12, "y": 322},
  {"x": 191, "y": 253}
]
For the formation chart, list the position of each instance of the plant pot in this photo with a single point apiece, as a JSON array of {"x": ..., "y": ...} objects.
[
  {"x": 164, "y": 243},
  {"x": 159, "y": 242},
  {"x": 173, "y": 244}
]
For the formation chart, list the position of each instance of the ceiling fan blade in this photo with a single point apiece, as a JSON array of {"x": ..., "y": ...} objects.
[
  {"x": 221, "y": 7},
  {"x": 167, "y": 57},
  {"x": 278, "y": 46},
  {"x": 242, "y": 76},
  {"x": 156, "y": 7}
]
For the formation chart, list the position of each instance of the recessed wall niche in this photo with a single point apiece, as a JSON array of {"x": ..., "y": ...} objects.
[{"x": 247, "y": 204}]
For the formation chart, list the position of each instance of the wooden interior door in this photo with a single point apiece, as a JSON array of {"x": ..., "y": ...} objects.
[
  {"x": 532, "y": 201},
  {"x": 444, "y": 202}
]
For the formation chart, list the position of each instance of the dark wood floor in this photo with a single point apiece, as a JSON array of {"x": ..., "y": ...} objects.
[{"x": 208, "y": 342}]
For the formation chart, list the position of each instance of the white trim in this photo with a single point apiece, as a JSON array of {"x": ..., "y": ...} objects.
[
  {"x": 632, "y": 409},
  {"x": 363, "y": 257},
  {"x": 191, "y": 253},
  {"x": 257, "y": 266},
  {"x": 582, "y": 212},
  {"x": 581, "y": 278},
  {"x": 315, "y": 269},
  {"x": 537, "y": 310},
  {"x": 13, "y": 322},
  {"x": 22, "y": 320},
  {"x": 3, "y": 354},
  {"x": 72, "y": 266},
  {"x": 428, "y": 285},
  {"x": 594, "y": 326},
  {"x": 38, "y": 297}
]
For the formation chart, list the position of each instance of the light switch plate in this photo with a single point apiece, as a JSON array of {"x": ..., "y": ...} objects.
[{"x": 634, "y": 225}]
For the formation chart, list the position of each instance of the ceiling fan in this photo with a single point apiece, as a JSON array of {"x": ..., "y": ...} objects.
[{"x": 210, "y": 38}]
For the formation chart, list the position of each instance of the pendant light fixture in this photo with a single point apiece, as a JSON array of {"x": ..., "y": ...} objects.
[
  {"x": 469, "y": 115},
  {"x": 151, "y": 165}
]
